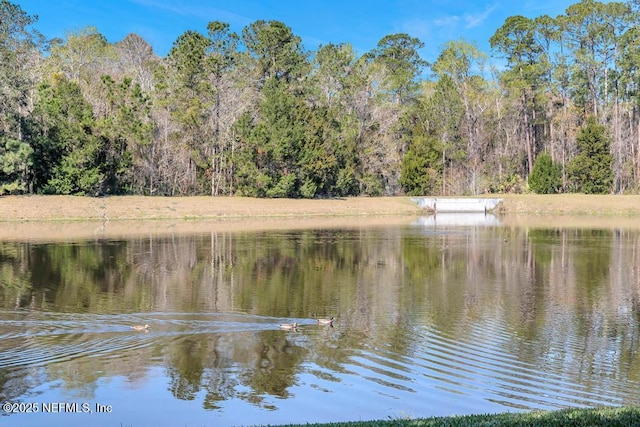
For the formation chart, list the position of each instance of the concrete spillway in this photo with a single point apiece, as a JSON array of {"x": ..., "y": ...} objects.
[{"x": 456, "y": 205}]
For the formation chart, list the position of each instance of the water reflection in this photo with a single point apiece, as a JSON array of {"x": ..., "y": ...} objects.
[{"x": 430, "y": 320}]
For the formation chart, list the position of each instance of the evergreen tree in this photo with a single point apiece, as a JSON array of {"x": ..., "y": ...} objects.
[
  {"x": 19, "y": 54},
  {"x": 125, "y": 131},
  {"x": 67, "y": 154},
  {"x": 277, "y": 51},
  {"x": 190, "y": 103},
  {"x": 15, "y": 160},
  {"x": 398, "y": 54},
  {"x": 421, "y": 172},
  {"x": 277, "y": 138},
  {"x": 546, "y": 176},
  {"x": 590, "y": 171}
]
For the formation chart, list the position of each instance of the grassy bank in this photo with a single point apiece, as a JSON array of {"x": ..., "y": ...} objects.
[
  {"x": 571, "y": 204},
  {"x": 74, "y": 208},
  {"x": 55, "y": 218},
  {"x": 626, "y": 416}
]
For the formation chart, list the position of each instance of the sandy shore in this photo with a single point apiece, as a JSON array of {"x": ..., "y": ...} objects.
[
  {"x": 70, "y": 208},
  {"x": 69, "y": 217},
  {"x": 75, "y": 208}
]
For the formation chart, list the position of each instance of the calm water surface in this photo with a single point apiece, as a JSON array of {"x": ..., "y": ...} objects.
[{"x": 432, "y": 318}]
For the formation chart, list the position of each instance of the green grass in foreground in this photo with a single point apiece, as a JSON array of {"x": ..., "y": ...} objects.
[{"x": 625, "y": 416}]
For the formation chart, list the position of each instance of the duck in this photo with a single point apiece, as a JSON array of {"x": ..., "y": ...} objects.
[
  {"x": 140, "y": 327},
  {"x": 290, "y": 326},
  {"x": 328, "y": 321}
]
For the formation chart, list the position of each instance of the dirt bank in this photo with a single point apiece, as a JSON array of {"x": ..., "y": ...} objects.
[
  {"x": 70, "y": 208},
  {"x": 74, "y": 208},
  {"x": 45, "y": 218}
]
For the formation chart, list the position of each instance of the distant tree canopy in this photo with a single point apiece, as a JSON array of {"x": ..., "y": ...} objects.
[{"x": 255, "y": 113}]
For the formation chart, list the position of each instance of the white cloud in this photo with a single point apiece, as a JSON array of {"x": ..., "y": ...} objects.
[
  {"x": 196, "y": 10},
  {"x": 447, "y": 21},
  {"x": 469, "y": 20},
  {"x": 419, "y": 28},
  {"x": 473, "y": 20}
]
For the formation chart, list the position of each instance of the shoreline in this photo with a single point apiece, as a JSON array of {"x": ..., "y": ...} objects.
[
  {"x": 600, "y": 416},
  {"x": 149, "y": 208},
  {"x": 126, "y": 208},
  {"x": 60, "y": 218}
]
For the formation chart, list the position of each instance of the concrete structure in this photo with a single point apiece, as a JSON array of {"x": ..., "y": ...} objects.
[
  {"x": 457, "y": 205},
  {"x": 456, "y": 219}
]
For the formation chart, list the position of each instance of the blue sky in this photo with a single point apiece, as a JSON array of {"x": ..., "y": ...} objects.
[{"x": 361, "y": 23}]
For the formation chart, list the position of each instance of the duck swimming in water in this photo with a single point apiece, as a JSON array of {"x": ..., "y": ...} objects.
[
  {"x": 328, "y": 321},
  {"x": 290, "y": 326},
  {"x": 140, "y": 327}
]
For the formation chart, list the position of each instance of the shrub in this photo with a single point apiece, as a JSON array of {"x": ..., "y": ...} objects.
[{"x": 546, "y": 176}]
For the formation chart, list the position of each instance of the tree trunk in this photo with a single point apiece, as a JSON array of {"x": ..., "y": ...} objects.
[{"x": 527, "y": 134}]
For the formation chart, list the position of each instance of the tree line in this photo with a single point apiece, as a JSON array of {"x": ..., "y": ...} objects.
[{"x": 255, "y": 114}]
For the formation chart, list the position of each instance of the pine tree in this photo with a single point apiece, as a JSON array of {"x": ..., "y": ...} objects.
[
  {"x": 591, "y": 171},
  {"x": 546, "y": 176}
]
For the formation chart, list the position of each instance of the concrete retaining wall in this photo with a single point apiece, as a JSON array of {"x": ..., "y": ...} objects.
[{"x": 457, "y": 205}]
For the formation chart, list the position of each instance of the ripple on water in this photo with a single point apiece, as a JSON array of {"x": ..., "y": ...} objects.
[
  {"x": 487, "y": 360},
  {"x": 40, "y": 338},
  {"x": 481, "y": 361}
]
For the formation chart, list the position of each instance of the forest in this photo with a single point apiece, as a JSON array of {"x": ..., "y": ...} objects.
[{"x": 256, "y": 114}]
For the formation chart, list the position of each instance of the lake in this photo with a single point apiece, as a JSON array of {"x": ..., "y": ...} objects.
[{"x": 433, "y": 316}]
